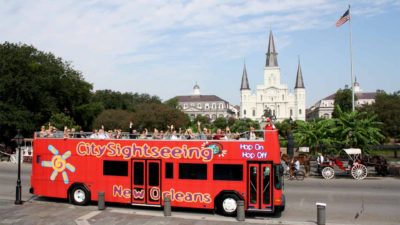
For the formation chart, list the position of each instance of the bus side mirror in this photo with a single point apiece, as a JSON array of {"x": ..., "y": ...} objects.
[{"x": 280, "y": 170}]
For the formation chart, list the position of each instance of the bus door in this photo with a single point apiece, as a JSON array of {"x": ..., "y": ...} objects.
[
  {"x": 146, "y": 182},
  {"x": 259, "y": 192}
]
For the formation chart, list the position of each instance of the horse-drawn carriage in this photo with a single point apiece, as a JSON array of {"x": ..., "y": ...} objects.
[
  {"x": 7, "y": 153},
  {"x": 354, "y": 163}
]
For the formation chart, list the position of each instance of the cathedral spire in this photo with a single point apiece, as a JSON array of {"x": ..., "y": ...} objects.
[
  {"x": 272, "y": 60},
  {"x": 299, "y": 77},
  {"x": 245, "y": 81}
]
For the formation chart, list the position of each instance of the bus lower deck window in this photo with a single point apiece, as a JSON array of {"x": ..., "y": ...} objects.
[
  {"x": 228, "y": 172},
  {"x": 115, "y": 168},
  {"x": 193, "y": 171},
  {"x": 169, "y": 170}
]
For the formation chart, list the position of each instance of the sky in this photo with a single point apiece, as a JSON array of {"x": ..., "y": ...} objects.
[{"x": 164, "y": 48}]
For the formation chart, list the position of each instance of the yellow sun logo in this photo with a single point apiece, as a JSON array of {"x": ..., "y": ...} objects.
[{"x": 59, "y": 164}]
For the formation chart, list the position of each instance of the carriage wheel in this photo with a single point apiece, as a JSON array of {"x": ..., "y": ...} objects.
[
  {"x": 359, "y": 171},
  {"x": 328, "y": 173}
]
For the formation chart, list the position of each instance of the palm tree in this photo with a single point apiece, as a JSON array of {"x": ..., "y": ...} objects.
[
  {"x": 314, "y": 134},
  {"x": 357, "y": 129}
]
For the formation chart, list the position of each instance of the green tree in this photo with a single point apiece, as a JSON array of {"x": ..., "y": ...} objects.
[
  {"x": 244, "y": 125},
  {"x": 60, "y": 120},
  {"x": 113, "y": 119},
  {"x": 88, "y": 113},
  {"x": 160, "y": 116},
  {"x": 343, "y": 99},
  {"x": 173, "y": 103},
  {"x": 314, "y": 134},
  {"x": 387, "y": 109},
  {"x": 34, "y": 85},
  {"x": 231, "y": 121},
  {"x": 357, "y": 129},
  {"x": 204, "y": 122},
  {"x": 126, "y": 101},
  {"x": 220, "y": 122}
]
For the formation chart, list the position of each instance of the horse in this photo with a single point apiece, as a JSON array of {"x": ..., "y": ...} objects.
[{"x": 379, "y": 162}]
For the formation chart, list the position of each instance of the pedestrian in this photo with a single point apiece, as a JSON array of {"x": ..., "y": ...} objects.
[{"x": 320, "y": 161}]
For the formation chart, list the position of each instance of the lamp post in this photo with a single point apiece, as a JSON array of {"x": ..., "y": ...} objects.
[
  {"x": 289, "y": 136},
  {"x": 18, "y": 139}
]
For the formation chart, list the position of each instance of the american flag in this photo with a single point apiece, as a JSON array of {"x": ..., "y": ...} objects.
[{"x": 343, "y": 19}]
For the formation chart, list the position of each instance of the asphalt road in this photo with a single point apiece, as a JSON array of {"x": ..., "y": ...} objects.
[{"x": 375, "y": 200}]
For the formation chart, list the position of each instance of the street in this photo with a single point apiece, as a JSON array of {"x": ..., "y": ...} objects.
[{"x": 374, "y": 200}]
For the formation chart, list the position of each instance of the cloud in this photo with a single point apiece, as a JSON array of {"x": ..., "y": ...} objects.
[{"x": 142, "y": 45}]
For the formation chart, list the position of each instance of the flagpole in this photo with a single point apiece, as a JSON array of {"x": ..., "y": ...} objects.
[{"x": 351, "y": 63}]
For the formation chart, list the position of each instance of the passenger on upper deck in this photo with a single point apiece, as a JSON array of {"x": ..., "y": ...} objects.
[
  {"x": 174, "y": 135},
  {"x": 43, "y": 132},
  {"x": 269, "y": 125},
  {"x": 118, "y": 134},
  {"x": 66, "y": 132},
  {"x": 189, "y": 134},
  {"x": 252, "y": 134},
  {"x": 156, "y": 134},
  {"x": 219, "y": 135},
  {"x": 228, "y": 134},
  {"x": 81, "y": 134},
  {"x": 202, "y": 133},
  {"x": 102, "y": 134},
  {"x": 94, "y": 134},
  {"x": 144, "y": 133}
]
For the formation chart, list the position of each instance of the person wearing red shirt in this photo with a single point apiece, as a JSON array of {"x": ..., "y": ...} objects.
[{"x": 269, "y": 125}]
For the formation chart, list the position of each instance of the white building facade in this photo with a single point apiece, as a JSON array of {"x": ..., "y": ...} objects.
[
  {"x": 210, "y": 106},
  {"x": 272, "y": 97},
  {"x": 325, "y": 107}
]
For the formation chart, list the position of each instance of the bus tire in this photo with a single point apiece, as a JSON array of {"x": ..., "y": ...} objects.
[
  {"x": 79, "y": 195},
  {"x": 228, "y": 204}
]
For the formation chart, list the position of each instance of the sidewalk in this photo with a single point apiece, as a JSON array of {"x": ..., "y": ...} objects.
[{"x": 60, "y": 213}]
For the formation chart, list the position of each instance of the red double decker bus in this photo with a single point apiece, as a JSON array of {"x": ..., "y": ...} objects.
[{"x": 206, "y": 174}]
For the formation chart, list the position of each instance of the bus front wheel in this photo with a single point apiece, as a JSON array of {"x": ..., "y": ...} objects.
[
  {"x": 228, "y": 205},
  {"x": 79, "y": 195}
]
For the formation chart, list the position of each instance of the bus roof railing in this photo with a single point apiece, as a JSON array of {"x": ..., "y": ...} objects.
[{"x": 151, "y": 136}]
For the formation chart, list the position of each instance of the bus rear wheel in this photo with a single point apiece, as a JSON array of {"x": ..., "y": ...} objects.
[
  {"x": 79, "y": 195},
  {"x": 228, "y": 205}
]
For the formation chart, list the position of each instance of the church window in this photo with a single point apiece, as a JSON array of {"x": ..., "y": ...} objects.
[
  {"x": 244, "y": 112},
  {"x": 214, "y": 106},
  {"x": 261, "y": 97},
  {"x": 283, "y": 97},
  {"x": 291, "y": 112},
  {"x": 221, "y": 106},
  {"x": 299, "y": 111},
  {"x": 254, "y": 112},
  {"x": 185, "y": 106},
  {"x": 199, "y": 105},
  {"x": 207, "y": 106}
]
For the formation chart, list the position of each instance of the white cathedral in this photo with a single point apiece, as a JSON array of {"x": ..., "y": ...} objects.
[{"x": 273, "y": 98}]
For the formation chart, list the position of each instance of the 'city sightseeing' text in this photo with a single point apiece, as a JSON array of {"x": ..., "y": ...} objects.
[{"x": 133, "y": 151}]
